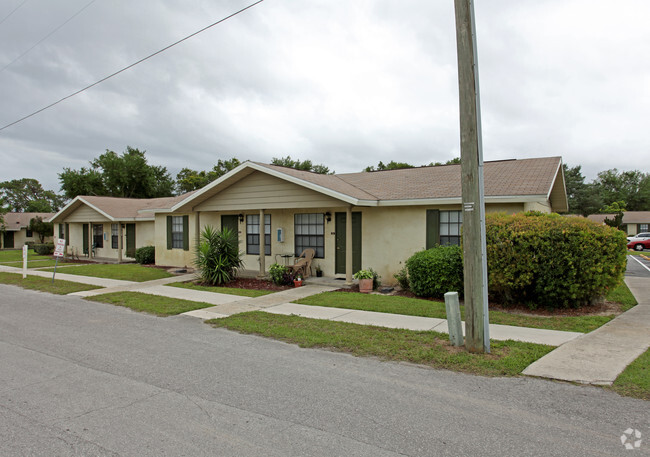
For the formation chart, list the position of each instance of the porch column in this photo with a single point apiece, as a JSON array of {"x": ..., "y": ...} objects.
[
  {"x": 90, "y": 240},
  {"x": 120, "y": 243},
  {"x": 197, "y": 229},
  {"x": 348, "y": 245},
  {"x": 262, "y": 246}
]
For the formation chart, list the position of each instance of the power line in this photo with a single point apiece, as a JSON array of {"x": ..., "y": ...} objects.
[
  {"x": 48, "y": 35},
  {"x": 132, "y": 65},
  {"x": 13, "y": 11}
]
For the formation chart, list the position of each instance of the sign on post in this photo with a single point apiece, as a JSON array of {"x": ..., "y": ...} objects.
[{"x": 58, "y": 252}]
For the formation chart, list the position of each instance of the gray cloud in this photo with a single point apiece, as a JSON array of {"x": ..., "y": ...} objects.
[{"x": 346, "y": 84}]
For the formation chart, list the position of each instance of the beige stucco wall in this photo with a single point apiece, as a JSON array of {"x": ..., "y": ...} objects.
[{"x": 390, "y": 235}]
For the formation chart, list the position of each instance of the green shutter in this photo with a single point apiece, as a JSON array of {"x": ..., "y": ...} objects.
[
  {"x": 169, "y": 232},
  {"x": 433, "y": 228},
  {"x": 186, "y": 233}
]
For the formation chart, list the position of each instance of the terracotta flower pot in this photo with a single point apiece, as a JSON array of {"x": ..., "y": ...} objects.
[
  {"x": 365, "y": 285},
  {"x": 297, "y": 282}
]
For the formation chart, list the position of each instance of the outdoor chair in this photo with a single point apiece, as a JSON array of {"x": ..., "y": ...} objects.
[{"x": 303, "y": 263}]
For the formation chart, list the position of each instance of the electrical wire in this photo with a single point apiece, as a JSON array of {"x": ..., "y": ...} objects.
[
  {"x": 14, "y": 10},
  {"x": 48, "y": 35},
  {"x": 132, "y": 65}
]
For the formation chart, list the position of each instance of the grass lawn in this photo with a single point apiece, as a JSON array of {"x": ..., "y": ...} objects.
[
  {"x": 44, "y": 284},
  {"x": 222, "y": 290},
  {"x": 508, "y": 358},
  {"x": 35, "y": 263},
  {"x": 635, "y": 379},
  {"x": 17, "y": 254},
  {"x": 126, "y": 272},
  {"x": 417, "y": 307},
  {"x": 160, "y": 306}
]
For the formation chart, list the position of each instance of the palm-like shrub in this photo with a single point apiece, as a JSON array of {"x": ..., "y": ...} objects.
[{"x": 217, "y": 255}]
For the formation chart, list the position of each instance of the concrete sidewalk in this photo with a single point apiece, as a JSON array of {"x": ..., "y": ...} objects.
[{"x": 600, "y": 356}]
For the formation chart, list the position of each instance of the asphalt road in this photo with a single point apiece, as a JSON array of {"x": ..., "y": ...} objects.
[
  {"x": 79, "y": 378},
  {"x": 638, "y": 266}
]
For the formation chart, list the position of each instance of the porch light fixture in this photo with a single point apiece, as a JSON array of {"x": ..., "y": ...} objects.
[
  {"x": 328, "y": 216},
  {"x": 241, "y": 217}
]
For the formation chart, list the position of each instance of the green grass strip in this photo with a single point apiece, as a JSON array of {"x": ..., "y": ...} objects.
[
  {"x": 44, "y": 284},
  {"x": 221, "y": 290},
  {"x": 17, "y": 254},
  {"x": 508, "y": 358},
  {"x": 152, "y": 304},
  {"x": 426, "y": 308},
  {"x": 35, "y": 263},
  {"x": 125, "y": 272},
  {"x": 635, "y": 379}
]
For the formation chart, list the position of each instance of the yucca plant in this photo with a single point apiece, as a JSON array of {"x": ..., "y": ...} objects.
[{"x": 217, "y": 255}]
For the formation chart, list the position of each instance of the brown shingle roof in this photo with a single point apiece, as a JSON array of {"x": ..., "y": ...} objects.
[
  {"x": 17, "y": 221},
  {"x": 501, "y": 178},
  {"x": 126, "y": 208},
  {"x": 629, "y": 217}
]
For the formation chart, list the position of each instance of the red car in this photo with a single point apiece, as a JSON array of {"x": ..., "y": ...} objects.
[{"x": 639, "y": 242}]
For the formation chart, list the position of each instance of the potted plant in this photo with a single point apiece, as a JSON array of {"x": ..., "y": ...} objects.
[
  {"x": 365, "y": 278},
  {"x": 297, "y": 281},
  {"x": 319, "y": 272}
]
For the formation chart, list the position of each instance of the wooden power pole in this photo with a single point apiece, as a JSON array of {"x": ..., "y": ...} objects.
[{"x": 477, "y": 330}]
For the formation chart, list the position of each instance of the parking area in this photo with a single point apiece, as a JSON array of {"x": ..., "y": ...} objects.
[{"x": 638, "y": 266}]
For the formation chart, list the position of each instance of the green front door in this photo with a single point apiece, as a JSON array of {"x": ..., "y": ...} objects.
[
  {"x": 230, "y": 221},
  {"x": 8, "y": 240},
  {"x": 130, "y": 240},
  {"x": 85, "y": 239},
  {"x": 339, "y": 267}
]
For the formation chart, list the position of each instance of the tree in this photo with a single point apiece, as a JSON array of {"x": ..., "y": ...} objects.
[
  {"x": 37, "y": 225},
  {"x": 583, "y": 198},
  {"x": 632, "y": 187},
  {"x": 616, "y": 208},
  {"x": 188, "y": 180},
  {"x": 392, "y": 165},
  {"x": 454, "y": 161},
  {"x": 305, "y": 165},
  {"x": 127, "y": 176},
  {"x": 27, "y": 194}
]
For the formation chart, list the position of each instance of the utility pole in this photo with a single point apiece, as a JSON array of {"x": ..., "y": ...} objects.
[{"x": 477, "y": 329}]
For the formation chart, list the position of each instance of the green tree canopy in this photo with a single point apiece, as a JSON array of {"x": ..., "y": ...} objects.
[
  {"x": 43, "y": 229},
  {"x": 392, "y": 165},
  {"x": 305, "y": 165},
  {"x": 188, "y": 180},
  {"x": 128, "y": 175},
  {"x": 631, "y": 187},
  {"x": 28, "y": 195}
]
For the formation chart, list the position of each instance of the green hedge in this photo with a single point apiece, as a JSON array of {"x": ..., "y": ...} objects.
[
  {"x": 551, "y": 261},
  {"x": 436, "y": 271},
  {"x": 145, "y": 255},
  {"x": 44, "y": 249}
]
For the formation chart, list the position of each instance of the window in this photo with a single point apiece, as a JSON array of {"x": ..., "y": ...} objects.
[
  {"x": 309, "y": 232},
  {"x": 98, "y": 235},
  {"x": 114, "y": 236},
  {"x": 253, "y": 234},
  {"x": 643, "y": 227},
  {"x": 29, "y": 233},
  {"x": 61, "y": 231},
  {"x": 450, "y": 224},
  {"x": 177, "y": 232}
]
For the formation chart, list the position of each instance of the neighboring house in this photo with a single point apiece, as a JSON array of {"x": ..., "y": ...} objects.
[
  {"x": 633, "y": 221},
  {"x": 112, "y": 228},
  {"x": 353, "y": 221},
  {"x": 15, "y": 232}
]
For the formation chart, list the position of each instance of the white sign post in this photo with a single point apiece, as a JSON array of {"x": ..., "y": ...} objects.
[
  {"x": 25, "y": 249},
  {"x": 58, "y": 252}
]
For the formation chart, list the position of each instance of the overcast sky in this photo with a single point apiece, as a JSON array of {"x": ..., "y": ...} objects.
[{"x": 343, "y": 83}]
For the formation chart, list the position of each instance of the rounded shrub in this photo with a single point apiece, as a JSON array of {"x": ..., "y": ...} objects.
[
  {"x": 436, "y": 271},
  {"x": 145, "y": 255},
  {"x": 44, "y": 249},
  {"x": 551, "y": 261},
  {"x": 279, "y": 274}
]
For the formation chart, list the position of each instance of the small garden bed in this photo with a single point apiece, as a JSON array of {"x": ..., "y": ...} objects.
[{"x": 248, "y": 287}]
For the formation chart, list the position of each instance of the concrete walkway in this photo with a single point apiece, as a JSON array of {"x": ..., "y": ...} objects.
[
  {"x": 280, "y": 303},
  {"x": 600, "y": 356}
]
